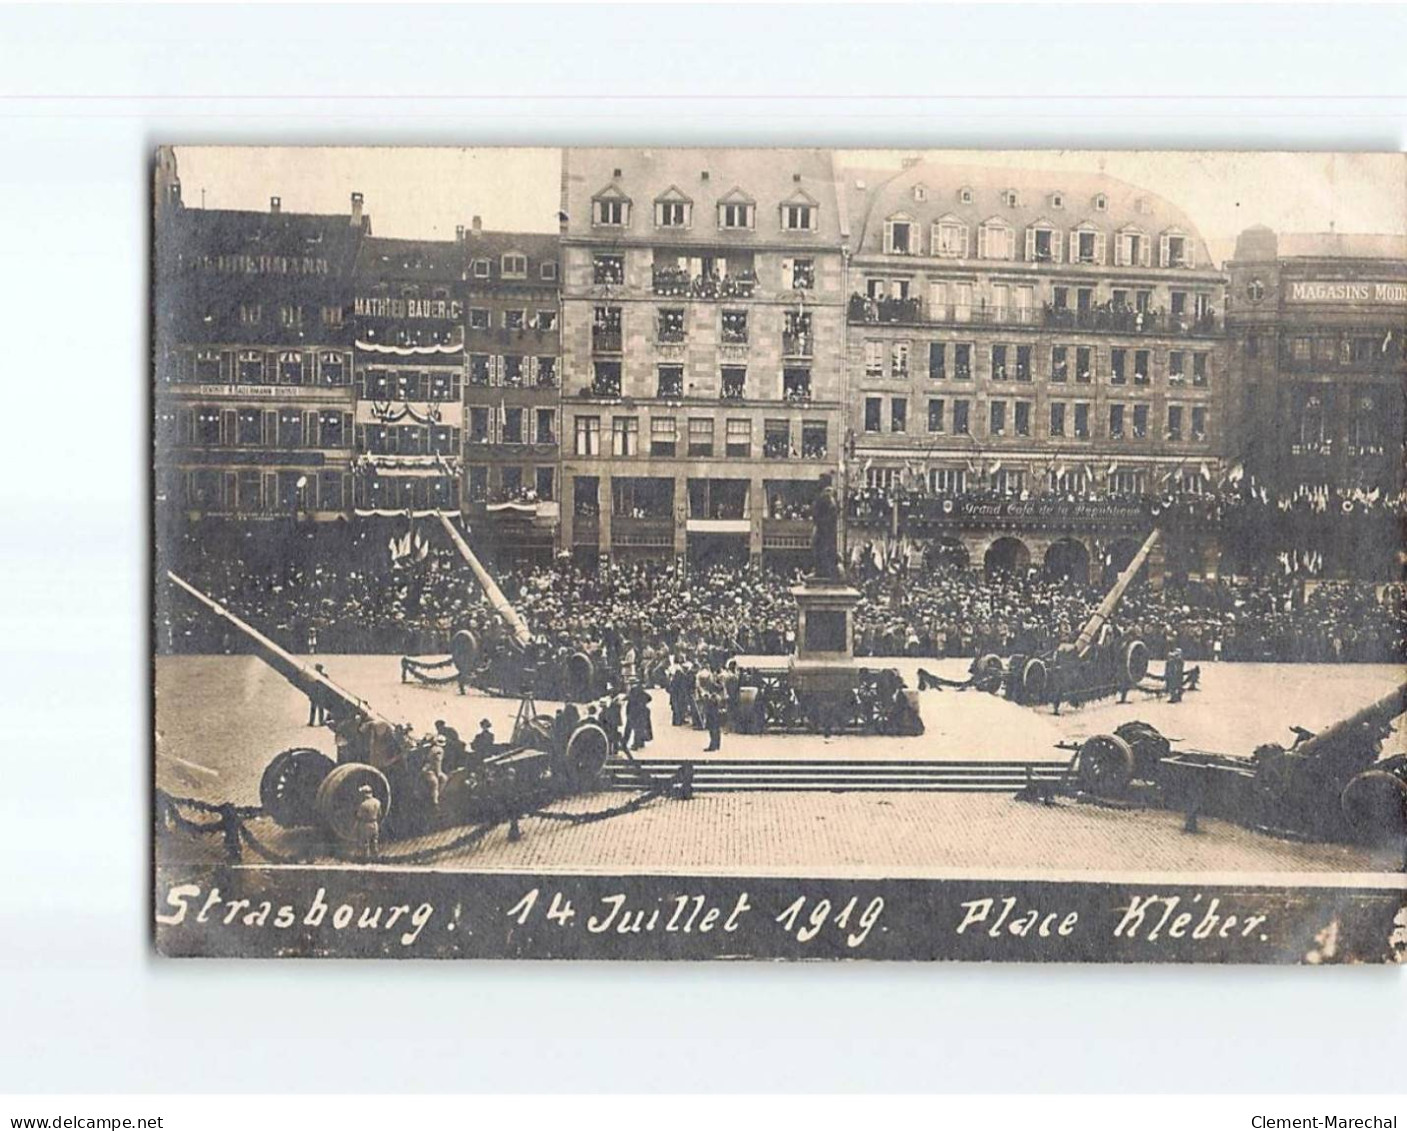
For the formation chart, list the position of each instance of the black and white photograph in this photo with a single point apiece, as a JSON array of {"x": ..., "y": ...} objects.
[{"x": 779, "y": 553}]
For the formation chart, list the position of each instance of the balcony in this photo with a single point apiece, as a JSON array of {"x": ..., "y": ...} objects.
[
  {"x": 1126, "y": 320},
  {"x": 677, "y": 282},
  {"x": 797, "y": 344},
  {"x": 605, "y": 339}
]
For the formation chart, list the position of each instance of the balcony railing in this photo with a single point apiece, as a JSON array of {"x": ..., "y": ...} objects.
[
  {"x": 677, "y": 282},
  {"x": 1110, "y": 318},
  {"x": 605, "y": 340},
  {"x": 797, "y": 344}
]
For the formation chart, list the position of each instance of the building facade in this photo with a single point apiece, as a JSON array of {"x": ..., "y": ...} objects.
[
  {"x": 1318, "y": 328},
  {"x": 1017, "y": 336},
  {"x": 512, "y": 389},
  {"x": 703, "y": 340},
  {"x": 409, "y": 376},
  {"x": 254, "y": 394}
]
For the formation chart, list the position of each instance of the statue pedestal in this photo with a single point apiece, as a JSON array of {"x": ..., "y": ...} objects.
[{"x": 825, "y": 637}]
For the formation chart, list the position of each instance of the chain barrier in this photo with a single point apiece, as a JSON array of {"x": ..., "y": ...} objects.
[{"x": 232, "y": 824}]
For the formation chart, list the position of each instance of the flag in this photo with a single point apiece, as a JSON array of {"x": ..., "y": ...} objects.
[
  {"x": 1387, "y": 340},
  {"x": 1206, "y": 471}
]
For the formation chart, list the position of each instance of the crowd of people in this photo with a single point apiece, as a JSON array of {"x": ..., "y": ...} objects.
[{"x": 357, "y": 592}]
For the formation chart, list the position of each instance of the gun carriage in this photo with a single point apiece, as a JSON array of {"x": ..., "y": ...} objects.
[
  {"x": 1333, "y": 785},
  {"x": 419, "y": 784},
  {"x": 1097, "y": 663},
  {"x": 507, "y": 663}
]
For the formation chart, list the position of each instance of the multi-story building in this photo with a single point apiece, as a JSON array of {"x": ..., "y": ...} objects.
[
  {"x": 1318, "y": 327},
  {"x": 1016, "y": 334},
  {"x": 409, "y": 375},
  {"x": 703, "y": 331},
  {"x": 512, "y": 389},
  {"x": 254, "y": 394}
]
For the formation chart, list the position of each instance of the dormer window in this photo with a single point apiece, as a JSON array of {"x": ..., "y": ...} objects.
[
  {"x": 481, "y": 269},
  {"x": 674, "y": 210},
  {"x": 994, "y": 240},
  {"x": 798, "y": 218},
  {"x": 900, "y": 235},
  {"x": 1132, "y": 248},
  {"x": 1057, "y": 200},
  {"x": 964, "y": 195},
  {"x": 1086, "y": 245},
  {"x": 920, "y": 193},
  {"x": 1010, "y": 198},
  {"x": 610, "y": 208},
  {"x": 1042, "y": 243},
  {"x": 548, "y": 271},
  {"x": 1176, "y": 250},
  {"x": 950, "y": 238},
  {"x": 514, "y": 265},
  {"x": 1101, "y": 203},
  {"x": 736, "y": 212}
]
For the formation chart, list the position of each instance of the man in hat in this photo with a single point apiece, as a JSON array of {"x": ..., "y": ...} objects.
[
  {"x": 432, "y": 769},
  {"x": 368, "y": 824},
  {"x": 317, "y": 710},
  {"x": 455, "y": 750},
  {"x": 483, "y": 745}
]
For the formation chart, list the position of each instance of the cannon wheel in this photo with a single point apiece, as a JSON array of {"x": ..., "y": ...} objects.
[
  {"x": 289, "y": 788},
  {"x": 748, "y": 711},
  {"x": 581, "y": 676},
  {"x": 1035, "y": 680},
  {"x": 1135, "y": 661},
  {"x": 1148, "y": 745},
  {"x": 585, "y": 756},
  {"x": 1104, "y": 765},
  {"x": 464, "y": 651},
  {"x": 988, "y": 676},
  {"x": 1375, "y": 805},
  {"x": 340, "y": 793}
]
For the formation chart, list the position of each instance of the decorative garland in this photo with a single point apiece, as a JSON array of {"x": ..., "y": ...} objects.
[
  {"x": 409, "y": 351},
  {"x": 384, "y": 414}
]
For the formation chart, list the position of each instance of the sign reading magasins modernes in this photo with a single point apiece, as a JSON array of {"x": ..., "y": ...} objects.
[{"x": 1339, "y": 291}]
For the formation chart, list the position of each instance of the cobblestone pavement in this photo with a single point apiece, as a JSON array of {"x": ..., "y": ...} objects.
[{"x": 220, "y": 719}]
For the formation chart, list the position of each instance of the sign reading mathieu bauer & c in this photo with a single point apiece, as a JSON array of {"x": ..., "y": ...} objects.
[{"x": 1340, "y": 291}]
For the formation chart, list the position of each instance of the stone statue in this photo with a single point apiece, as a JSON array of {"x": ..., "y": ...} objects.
[{"x": 825, "y": 549}]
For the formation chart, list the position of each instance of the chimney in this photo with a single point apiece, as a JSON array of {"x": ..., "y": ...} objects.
[
  {"x": 275, "y": 204},
  {"x": 459, "y": 232},
  {"x": 910, "y": 162},
  {"x": 356, "y": 210},
  {"x": 478, "y": 224}
]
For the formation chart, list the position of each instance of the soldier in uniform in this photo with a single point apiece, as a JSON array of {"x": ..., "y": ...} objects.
[
  {"x": 368, "y": 824},
  {"x": 1172, "y": 675},
  {"x": 713, "y": 714},
  {"x": 455, "y": 750}
]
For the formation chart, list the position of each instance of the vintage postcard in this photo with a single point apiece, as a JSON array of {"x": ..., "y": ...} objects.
[{"x": 779, "y": 554}]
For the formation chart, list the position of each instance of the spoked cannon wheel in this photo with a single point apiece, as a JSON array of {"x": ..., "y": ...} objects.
[
  {"x": 1035, "y": 681},
  {"x": 1104, "y": 765},
  {"x": 585, "y": 756},
  {"x": 289, "y": 788},
  {"x": 988, "y": 676},
  {"x": 340, "y": 794}
]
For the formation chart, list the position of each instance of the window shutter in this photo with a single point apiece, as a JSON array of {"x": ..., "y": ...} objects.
[
  {"x": 530, "y": 364},
  {"x": 185, "y": 426},
  {"x": 310, "y": 429},
  {"x": 346, "y": 429},
  {"x": 1074, "y": 255},
  {"x": 1163, "y": 252},
  {"x": 1188, "y": 254},
  {"x": 270, "y": 427},
  {"x": 1145, "y": 251},
  {"x": 1120, "y": 250},
  {"x": 1030, "y": 245},
  {"x": 786, "y": 274},
  {"x": 1099, "y": 247},
  {"x": 1057, "y": 247},
  {"x": 229, "y": 432},
  {"x": 361, "y": 436},
  {"x": 982, "y": 242}
]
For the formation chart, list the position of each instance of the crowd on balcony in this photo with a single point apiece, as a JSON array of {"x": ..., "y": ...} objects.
[
  {"x": 348, "y": 591},
  {"x": 678, "y": 282}
]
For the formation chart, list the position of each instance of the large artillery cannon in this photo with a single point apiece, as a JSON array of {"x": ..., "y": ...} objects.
[
  {"x": 1334, "y": 785},
  {"x": 419, "y": 783},
  {"x": 510, "y": 663},
  {"x": 1099, "y": 662}
]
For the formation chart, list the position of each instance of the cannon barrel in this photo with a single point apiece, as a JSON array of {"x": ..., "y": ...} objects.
[
  {"x": 303, "y": 676},
  {"x": 499, "y": 603},
  {"x": 1100, "y": 616},
  {"x": 1381, "y": 712}
]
